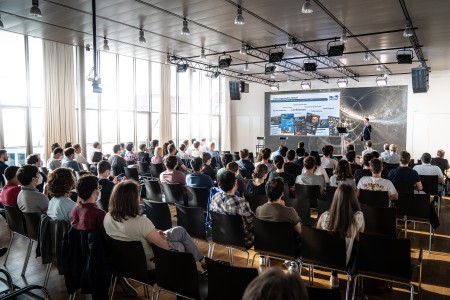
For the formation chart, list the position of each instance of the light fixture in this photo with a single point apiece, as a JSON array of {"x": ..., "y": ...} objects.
[
  {"x": 239, "y": 20},
  {"x": 381, "y": 81},
  {"x": 274, "y": 86},
  {"x": 182, "y": 66},
  {"x": 336, "y": 49},
  {"x": 378, "y": 67},
  {"x": 243, "y": 48},
  {"x": 344, "y": 37},
  {"x": 185, "y": 29},
  {"x": 366, "y": 56},
  {"x": 405, "y": 56},
  {"x": 215, "y": 74},
  {"x": 1, "y": 23},
  {"x": 408, "y": 30},
  {"x": 342, "y": 82},
  {"x": 88, "y": 47},
  {"x": 290, "y": 43},
  {"x": 202, "y": 53},
  {"x": 306, "y": 85},
  {"x": 386, "y": 73},
  {"x": 307, "y": 8},
  {"x": 276, "y": 54},
  {"x": 309, "y": 65},
  {"x": 272, "y": 76},
  {"x": 224, "y": 61},
  {"x": 105, "y": 44},
  {"x": 246, "y": 67},
  {"x": 141, "y": 37},
  {"x": 34, "y": 10},
  {"x": 269, "y": 68}
]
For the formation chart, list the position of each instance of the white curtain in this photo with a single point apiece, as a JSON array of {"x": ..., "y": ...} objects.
[
  {"x": 59, "y": 94},
  {"x": 226, "y": 117},
  {"x": 165, "y": 117}
]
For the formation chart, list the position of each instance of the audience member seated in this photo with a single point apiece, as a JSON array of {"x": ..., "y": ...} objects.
[
  {"x": 275, "y": 210},
  {"x": 69, "y": 161},
  {"x": 214, "y": 154},
  {"x": 327, "y": 160},
  {"x": 171, "y": 175},
  {"x": 130, "y": 157},
  {"x": 86, "y": 215},
  {"x": 153, "y": 145},
  {"x": 274, "y": 284},
  {"x": 244, "y": 162},
  {"x": 158, "y": 156},
  {"x": 203, "y": 145},
  {"x": 60, "y": 184},
  {"x": 207, "y": 169},
  {"x": 197, "y": 179},
  {"x": 182, "y": 153},
  {"x": 385, "y": 153},
  {"x": 256, "y": 185},
  {"x": 30, "y": 200},
  {"x": 440, "y": 161},
  {"x": 349, "y": 148},
  {"x": 345, "y": 218},
  {"x": 276, "y": 152},
  {"x": 11, "y": 190},
  {"x": 196, "y": 152},
  {"x": 343, "y": 175},
  {"x": 172, "y": 151},
  {"x": 351, "y": 157},
  {"x": 427, "y": 169},
  {"x": 404, "y": 179},
  {"x": 226, "y": 159},
  {"x": 124, "y": 222},
  {"x": 290, "y": 166},
  {"x": 106, "y": 184},
  {"x": 142, "y": 154},
  {"x": 375, "y": 182},
  {"x": 393, "y": 157},
  {"x": 368, "y": 148},
  {"x": 300, "y": 157},
  {"x": 318, "y": 169},
  {"x": 35, "y": 159},
  {"x": 190, "y": 147},
  {"x": 68, "y": 145},
  {"x": 233, "y": 167},
  {"x": 96, "y": 154},
  {"x": 365, "y": 171},
  {"x": 263, "y": 158},
  {"x": 122, "y": 149},
  {"x": 79, "y": 158},
  {"x": 54, "y": 146},
  {"x": 226, "y": 202},
  {"x": 309, "y": 177},
  {"x": 116, "y": 160},
  {"x": 54, "y": 162},
  {"x": 281, "y": 172},
  {"x": 3, "y": 157}
]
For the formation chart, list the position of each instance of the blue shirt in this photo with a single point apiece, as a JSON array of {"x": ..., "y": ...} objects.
[
  {"x": 199, "y": 180},
  {"x": 70, "y": 164},
  {"x": 246, "y": 164},
  {"x": 59, "y": 208}
]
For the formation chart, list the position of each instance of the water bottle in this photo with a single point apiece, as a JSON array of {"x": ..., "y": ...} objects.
[{"x": 293, "y": 268}]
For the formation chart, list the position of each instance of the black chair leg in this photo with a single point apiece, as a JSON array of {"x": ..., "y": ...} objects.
[
  {"x": 27, "y": 258},
  {"x": 9, "y": 248}
]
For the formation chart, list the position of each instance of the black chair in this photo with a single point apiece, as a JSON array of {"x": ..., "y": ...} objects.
[
  {"x": 303, "y": 209},
  {"x": 159, "y": 214},
  {"x": 86, "y": 167},
  {"x": 246, "y": 173},
  {"x": 176, "y": 273},
  {"x": 329, "y": 171},
  {"x": 273, "y": 240},
  {"x": 389, "y": 166},
  {"x": 130, "y": 163},
  {"x": 153, "y": 190},
  {"x": 128, "y": 260},
  {"x": 287, "y": 192},
  {"x": 199, "y": 197},
  {"x": 174, "y": 193},
  {"x": 32, "y": 222},
  {"x": 228, "y": 231},
  {"x": 143, "y": 168},
  {"x": 309, "y": 192},
  {"x": 386, "y": 259},
  {"x": 325, "y": 205},
  {"x": 255, "y": 201},
  {"x": 156, "y": 170},
  {"x": 329, "y": 192},
  {"x": 380, "y": 220},
  {"x": 374, "y": 198},
  {"x": 415, "y": 208},
  {"x": 117, "y": 170},
  {"x": 237, "y": 279},
  {"x": 430, "y": 185},
  {"x": 44, "y": 170},
  {"x": 315, "y": 293},
  {"x": 131, "y": 173},
  {"x": 235, "y": 156},
  {"x": 14, "y": 294}
]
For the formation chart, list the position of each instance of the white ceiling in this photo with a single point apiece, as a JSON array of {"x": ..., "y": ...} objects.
[{"x": 268, "y": 22}]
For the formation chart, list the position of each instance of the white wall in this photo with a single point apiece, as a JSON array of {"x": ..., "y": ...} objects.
[{"x": 428, "y": 113}]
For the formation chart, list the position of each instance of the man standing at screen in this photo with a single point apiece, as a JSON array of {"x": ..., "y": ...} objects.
[{"x": 367, "y": 129}]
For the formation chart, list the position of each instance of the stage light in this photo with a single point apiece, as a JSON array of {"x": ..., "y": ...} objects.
[
  {"x": 408, "y": 30},
  {"x": 381, "y": 81},
  {"x": 215, "y": 74},
  {"x": 276, "y": 55},
  {"x": 344, "y": 37},
  {"x": 269, "y": 68},
  {"x": 342, "y": 82},
  {"x": 246, "y": 67},
  {"x": 274, "y": 87},
  {"x": 141, "y": 37},
  {"x": 309, "y": 66},
  {"x": 105, "y": 44},
  {"x": 366, "y": 56},
  {"x": 185, "y": 29},
  {"x": 378, "y": 67},
  {"x": 182, "y": 67},
  {"x": 202, "y": 54},
  {"x": 336, "y": 50},
  {"x": 307, "y": 8},
  {"x": 306, "y": 85},
  {"x": 290, "y": 43},
  {"x": 405, "y": 56},
  {"x": 239, "y": 20},
  {"x": 243, "y": 48},
  {"x": 34, "y": 10},
  {"x": 224, "y": 61}
]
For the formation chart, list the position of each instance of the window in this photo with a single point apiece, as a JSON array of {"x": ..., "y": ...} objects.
[
  {"x": 142, "y": 86},
  {"x": 126, "y": 97},
  {"x": 109, "y": 83},
  {"x": 156, "y": 87},
  {"x": 14, "y": 134}
]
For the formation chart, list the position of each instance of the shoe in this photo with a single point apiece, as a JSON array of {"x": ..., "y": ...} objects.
[
  {"x": 3, "y": 251},
  {"x": 127, "y": 287},
  {"x": 334, "y": 281}
]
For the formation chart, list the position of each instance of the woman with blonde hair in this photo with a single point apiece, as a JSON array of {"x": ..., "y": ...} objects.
[{"x": 158, "y": 157}]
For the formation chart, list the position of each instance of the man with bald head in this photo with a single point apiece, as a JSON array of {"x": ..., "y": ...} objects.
[{"x": 392, "y": 157}]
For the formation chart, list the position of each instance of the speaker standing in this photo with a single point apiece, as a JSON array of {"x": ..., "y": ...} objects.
[{"x": 367, "y": 129}]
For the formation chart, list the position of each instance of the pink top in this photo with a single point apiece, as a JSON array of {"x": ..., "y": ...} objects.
[
  {"x": 173, "y": 176},
  {"x": 156, "y": 160}
]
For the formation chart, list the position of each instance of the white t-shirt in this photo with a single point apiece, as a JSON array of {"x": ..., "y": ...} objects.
[
  {"x": 376, "y": 184},
  {"x": 327, "y": 162},
  {"x": 319, "y": 171},
  {"x": 133, "y": 229},
  {"x": 359, "y": 223},
  {"x": 334, "y": 182}
]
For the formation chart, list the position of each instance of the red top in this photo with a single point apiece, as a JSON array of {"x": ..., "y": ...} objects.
[
  {"x": 9, "y": 194},
  {"x": 87, "y": 217}
]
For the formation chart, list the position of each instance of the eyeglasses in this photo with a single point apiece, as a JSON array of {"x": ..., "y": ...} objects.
[{"x": 99, "y": 187}]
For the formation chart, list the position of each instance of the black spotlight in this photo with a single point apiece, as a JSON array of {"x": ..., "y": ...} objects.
[
  {"x": 309, "y": 66},
  {"x": 276, "y": 55},
  {"x": 182, "y": 67},
  {"x": 215, "y": 74},
  {"x": 335, "y": 50},
  {"x": 405, "y": 56},
  {"x": 269, "y": 69},
  {"x": 224, "y": 61}
]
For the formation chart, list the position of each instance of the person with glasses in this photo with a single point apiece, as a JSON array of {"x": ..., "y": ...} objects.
[
  {"x": 30, "y": 200},
  {"x": 60, "y": 184}
]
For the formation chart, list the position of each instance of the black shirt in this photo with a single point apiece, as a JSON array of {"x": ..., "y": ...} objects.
[
  {"x": 251, "y": 189},
  {"x": 361, "y": 173},
  {"x": 293, "y": 168},
  {"x": 404, "y": 179}
]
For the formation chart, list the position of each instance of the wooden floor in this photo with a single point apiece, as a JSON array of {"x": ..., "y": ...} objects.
[{"x": 435, "y": 281}]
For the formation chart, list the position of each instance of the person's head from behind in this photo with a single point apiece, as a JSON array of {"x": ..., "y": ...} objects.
[
  {"x": 57, "y": 153},
  {"x": 171, "y": 162},
  {"x": 376, "y": 154},
  {"x": 393, "y": 148},
  {"x": 283, "y": 151},
  {"x": 316, "y": 156},
  {"x": 301, "y": 144},
  {"x": 124, "y": 201},
  {"x": 266, "y": 153},
  {"x": 212, "y": 146},
  {"x": 117, "y": 149},
  {"x": 11, "y": 175},
  {"x": 186, "y": 143},
  {"x": 34, "y": 159},
  {"x": 143, "y": 147},
  {"x": 69, "y": 153},
  {"x": 28, "y": 175},
  {"x": 206, "y": 158},
  {"x": 233, "y": 167},
  {"x": 274, "y": 284},
  {"x": 159, "y": 151},
  {"x": 54, "y": 146},
  {"x": 60, "y": 182},
  {"x": 290, "y": 155},
  {"x": 227, "y": 181},
  {"x": 87, "y": 188},
  {"x": 343, "y": 170},
  {"x": 376, "y": 166},
  {"x": 366, "y": 159},
  {"x": 104, "y": 168},
  {"x": 426, "y": 158},
  {"x": 351, "y": 155},
  {"x": 344, "y": 205},
  {"x": 366, "y": 121},
  {"x": 154, "y": 143},
  {"x": 386, "y": 147},
  {"x": 275, "y": 189},
  {"x": 97, "y": 145},
  {"x": 300, "y": 152},
  {"x": 164, "y": 147},
  {"x": 196, "y": 145},
  {"x": 243, "y": 154},
  {"x": 327, "y": 150},
  {"x": 122, "y": 146},
  {"x": 279, "y": 162},
  {"x": 226, "y": 159},
  {"x": 68, "y": 145},
  {"x": 309, "y": 163},
  {"x": 182, "y": 147},
  {"x": 440, "y": 153},
  {"x": 405, "y": 157},
  {"x": 260, "y": 172},
  {"x": 350, "y": 147},
  {"x": 197, "y": 164},
  {"x": 129, "y": 146},
  {"x": 3, "y": 155},
  {"x": 369, "y": 144},
  {"x": 77, "y": 148},
  {"x": 171, "y": 149}
]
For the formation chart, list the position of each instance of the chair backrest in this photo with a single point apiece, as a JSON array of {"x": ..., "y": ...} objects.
[
  {"x": 193, "y": 220},
  {"x": 43, "y": 170},
  {"x": 430, "y": 184},
  {"x": 159, "y": 214},
  {"x": 128, "y": 259},
  {"x": 236, "y": 277},
  {"x": 130, "y": 163},
  {"x": 32, "y": 222},
  {"x": 246, "y": 173},
  {"x": 315, "y": 293},
  {"x": 374, "y": 198},
  {"x": 116, "y": 170},
  {"x": 384, "y": 257},
  {"x": 322, "y": 206},
  {"x": 274, "y": 238},
  {"x": 235, "y": 156},
  {"x": 153, "y": 190},
  {"x": 16, "y": 220},
  {"x": 380, "y": 220},
  {"x": 317, "y": 245},
  {"x": 415, "y": 206},
  {"x": 330, "y": 190},
  {"x": 86, "y": 167},
  {"x": 132, "y": 173},
  {"x": 156, "y": 170},
  {"x": 389, "y": 166},
  {"x": 143, "y": 167},
  {"x": 228, "y": 229},
  {"x": 287, "y": 192},
  {"x": 176, "y": 272},
  {"x": 255, "y": 201},
  {"x": 187, "y": 163},
  {"x": 310, "y": 192},
  {"x": 329, "y": 171},
  {"x": 199, "y": 197},
  {"x": 303, "y": 209},
  {"x": 173, "y": 193}
]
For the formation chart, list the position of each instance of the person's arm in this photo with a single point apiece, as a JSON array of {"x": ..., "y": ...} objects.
[
  {"x": 156, "y": 237},
  {"x": 357, "y": 192},
  {"x": 419, "y": 186},
  {"x": 298, "y": 228},
  {"x": 393, "y": 197},
  {"x": 319, "y": 223}
]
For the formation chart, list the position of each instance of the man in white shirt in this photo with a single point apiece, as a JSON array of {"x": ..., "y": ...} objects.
[
  {"x": 427, "y": 169},
  {"x": 392, "y": 157},
  {"x": 54, "y": 162},
  {"x": 385, "y": 153},
  {"x": 308, "y": 177},
  {"x": 327, "y": 161},
  {"x": 375, "y": 182},
  {"x": 203, "y": 145},
  {"x": 190, "y": 148},
  {"x": 368, "y": 148},
  {"x": 78, "y": 157}
]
